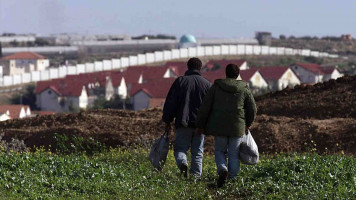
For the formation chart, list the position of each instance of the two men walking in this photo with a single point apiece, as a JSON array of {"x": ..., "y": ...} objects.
[{"x": 226, "y": 111}]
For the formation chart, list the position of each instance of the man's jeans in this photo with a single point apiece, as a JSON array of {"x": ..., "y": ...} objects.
[
  {"x": 230, "y": 146},
  {"x": 185, "y": 138}
]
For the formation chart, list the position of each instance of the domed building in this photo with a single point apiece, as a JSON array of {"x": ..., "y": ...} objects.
[{"x": 187, "y": 40}]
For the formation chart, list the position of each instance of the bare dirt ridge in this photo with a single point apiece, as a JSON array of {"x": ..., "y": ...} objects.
[{"x": 320, "y": 117}]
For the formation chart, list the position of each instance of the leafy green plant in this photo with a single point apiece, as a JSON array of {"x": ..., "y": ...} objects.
[{"x": 127, "y": 174}]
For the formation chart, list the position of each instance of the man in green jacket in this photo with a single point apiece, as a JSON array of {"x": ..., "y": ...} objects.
[{"x": 227, "y": 112}]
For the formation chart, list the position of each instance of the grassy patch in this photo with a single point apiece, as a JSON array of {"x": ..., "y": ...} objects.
[{"x": 119, "y": 174}]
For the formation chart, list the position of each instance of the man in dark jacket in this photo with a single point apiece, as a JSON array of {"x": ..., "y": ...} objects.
[
  {"x": 227, "y": 112},
  {"x": 182, "y": 103}
]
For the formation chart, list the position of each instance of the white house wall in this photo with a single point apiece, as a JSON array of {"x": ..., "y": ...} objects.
[
  {"x": 258, "y": 81},
  {"x": 109, "y": 89},
  {"x": 289, "y": 78},
  {"x": 42, "y": 64},
  {"x": 122, "y": 89},
  {"x": 244, "y": 66},
  {"x": 83, "y": 99},
  {"x": 4, "y": 117},
  {"x": 48, "y": 100},
  {"x": 140, "y": 100},
  {"x": 336, "y": 74},
  {"x": 28, "y": 112},
  {"x": 22, "y": 113}
]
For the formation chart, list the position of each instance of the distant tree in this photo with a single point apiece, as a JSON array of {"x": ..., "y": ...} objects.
[
  {"x": 282, "y": 37},
  {"x": 30, "y": 44},
  {"x": 216, "y": 66},
  {"x": 26, "y": 97},
  {"x": 312, "y": 59},
  {"x": 14, "y": 43},
  {"x": 41, "y": 42},
  {"x": 291, "y": 37},
  {"x": 115, "y": 103}
]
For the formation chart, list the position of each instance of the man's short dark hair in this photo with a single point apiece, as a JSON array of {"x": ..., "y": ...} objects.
[
  {"x": 194, "y": 63},
  {"x": 232, "y": 71}
]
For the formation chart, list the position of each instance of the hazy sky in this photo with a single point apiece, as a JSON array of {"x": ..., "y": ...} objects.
[{"x": 202, "y": 18}]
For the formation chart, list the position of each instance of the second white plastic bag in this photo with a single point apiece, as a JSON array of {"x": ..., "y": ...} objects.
[{"x": 248, "y": 150}]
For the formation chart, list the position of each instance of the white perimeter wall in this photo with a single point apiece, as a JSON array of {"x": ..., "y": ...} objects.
[{"x": 158, "y": 56}]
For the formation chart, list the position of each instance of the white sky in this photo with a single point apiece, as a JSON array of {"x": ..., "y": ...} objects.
[{"x": 202, "y": 18}]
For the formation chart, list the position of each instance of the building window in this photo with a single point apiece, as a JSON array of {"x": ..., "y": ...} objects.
[{"x": 49, "y": 92}]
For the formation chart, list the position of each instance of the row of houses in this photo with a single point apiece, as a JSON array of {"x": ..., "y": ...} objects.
[{"x": 147, "y": 86}]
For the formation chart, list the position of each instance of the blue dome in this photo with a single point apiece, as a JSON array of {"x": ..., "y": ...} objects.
[{"x": 187, "y": 39}]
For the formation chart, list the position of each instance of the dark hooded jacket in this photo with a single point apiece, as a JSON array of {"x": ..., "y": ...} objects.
[
  {"x": 184, "y": 99},
  {"x": 227, "y": 108}
]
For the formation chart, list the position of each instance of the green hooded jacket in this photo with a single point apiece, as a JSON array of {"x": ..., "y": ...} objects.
[{"x": 227, "y": 108}]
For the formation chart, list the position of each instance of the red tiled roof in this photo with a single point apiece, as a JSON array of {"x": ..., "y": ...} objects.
[
  {"x": 63, "y": 87},
  {"x": 220, "y": 74},
  {"x": 13, "y": 109},
  {"x": 116, "y": 78},
  {"x": 178, "y": 67},
  {"x": 328, "y": 70},
  {"x": 24, "y": 56},
  {"x": 132, "y": 76},
  {"x": 213, "y": 75},
  {"x": 272, "y": 72},
  {"x": 315, "y": 68},
  {"x": 72, "y": 85},
  {"x": 157, "y": 89},
  {"x": 210, "y": 64},
  {"x": 247, "y": 74}
]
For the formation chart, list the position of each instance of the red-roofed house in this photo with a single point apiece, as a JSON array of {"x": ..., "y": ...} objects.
[
  {"x": 151, "y": 94},
  {"x": 314, "y": 73},
  {"x": 23, "y": 62},
  {"x": 14, "y": 112},
  {"x": 61, "y": 95},
  {"x": 279, "y": 78},
  {"x": 221, "y": 64}
]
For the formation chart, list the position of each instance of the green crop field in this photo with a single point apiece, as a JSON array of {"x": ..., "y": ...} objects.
[{"x": 127, "y": 174}]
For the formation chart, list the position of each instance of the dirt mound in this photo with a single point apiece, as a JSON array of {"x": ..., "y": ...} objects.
[
  {"x": 332, "y": 99},
  {"x": 125, "y": 128},
  {"x": 300, "y": 119}
]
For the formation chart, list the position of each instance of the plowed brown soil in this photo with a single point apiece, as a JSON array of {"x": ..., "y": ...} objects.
[{"x": 293, "y": 120}]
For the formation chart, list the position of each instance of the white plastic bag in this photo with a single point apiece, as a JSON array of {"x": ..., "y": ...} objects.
[
  {"x": 248, "y": 150},
  {"x": 159, "y": 151}
]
